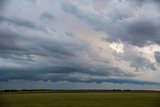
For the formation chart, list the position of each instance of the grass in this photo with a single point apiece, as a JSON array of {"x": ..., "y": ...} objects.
[{"x": 79, "y": 99}]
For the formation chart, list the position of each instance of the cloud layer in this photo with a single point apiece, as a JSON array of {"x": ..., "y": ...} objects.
[{"x": 115, "y": 41}]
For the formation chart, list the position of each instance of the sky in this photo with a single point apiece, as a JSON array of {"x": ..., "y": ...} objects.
[{"x": 80, "y": 44}]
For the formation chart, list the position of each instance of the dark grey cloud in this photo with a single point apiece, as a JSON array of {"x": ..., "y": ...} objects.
[
  {"x": 138, "y": 32},
  {"x": 58, "y": 73},
  {"x": 141, "y": 2},
  {"x": 11, "y": 43},
  {"x": 157, "y": 56},
  {"x": 46, "y": 15},
  {"x": 33, "y": 1},
  {"x": 62, "y": 74},
  {"x": 2, "y": 4},
  {"x": 7, "y": 41},
  {"x": 20, "y": 22}
]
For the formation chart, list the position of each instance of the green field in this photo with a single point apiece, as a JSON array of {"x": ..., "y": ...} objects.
[{"x": 79, "y": 99}]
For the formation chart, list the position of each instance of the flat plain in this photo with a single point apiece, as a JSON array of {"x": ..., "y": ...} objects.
[{"x": 79, "y": 99}]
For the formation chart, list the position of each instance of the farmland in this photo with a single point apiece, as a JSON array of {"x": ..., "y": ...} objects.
[{"x": 79, "y": 99}]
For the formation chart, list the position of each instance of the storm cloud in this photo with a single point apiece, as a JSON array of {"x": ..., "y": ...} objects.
[{"x": 112, "y": 41}]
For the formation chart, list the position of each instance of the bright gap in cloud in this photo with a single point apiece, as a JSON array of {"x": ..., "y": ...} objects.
[{"x": 118, "y": 47}]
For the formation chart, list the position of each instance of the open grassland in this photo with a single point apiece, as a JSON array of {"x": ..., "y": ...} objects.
[{"x": 79, "y": 99}]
